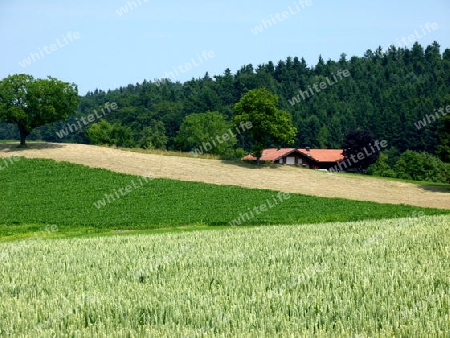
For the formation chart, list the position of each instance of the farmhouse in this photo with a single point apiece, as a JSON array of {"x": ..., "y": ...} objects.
[{"x": 307, "y": 157}]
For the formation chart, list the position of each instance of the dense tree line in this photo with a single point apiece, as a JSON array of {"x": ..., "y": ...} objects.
[{"x": 386, "y": 92}]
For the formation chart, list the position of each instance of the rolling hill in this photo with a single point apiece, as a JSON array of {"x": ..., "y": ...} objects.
[{"x": 286, "y": 179}]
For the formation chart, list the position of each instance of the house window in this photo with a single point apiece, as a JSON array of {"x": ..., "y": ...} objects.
[{"x": 290, "y": 160}]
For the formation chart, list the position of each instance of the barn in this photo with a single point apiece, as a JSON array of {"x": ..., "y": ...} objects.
[{"x": 307, "y": 157}]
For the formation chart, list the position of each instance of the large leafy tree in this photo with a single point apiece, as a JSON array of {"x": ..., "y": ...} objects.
[
  {"x": 205, "y": 133},
  {"x": 360, "y": 149},
  {"x": 271, "y": 126},
  {"x": 31, "y": 103}
]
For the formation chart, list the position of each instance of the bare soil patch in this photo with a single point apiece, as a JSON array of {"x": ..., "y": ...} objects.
[{"x": 279, "y": 178}]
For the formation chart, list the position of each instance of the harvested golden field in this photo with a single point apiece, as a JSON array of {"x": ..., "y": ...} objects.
[{"x": 287, "y": 179}]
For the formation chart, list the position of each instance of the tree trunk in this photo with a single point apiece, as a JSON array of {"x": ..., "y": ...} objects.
[{"x": 23, "y": 135}]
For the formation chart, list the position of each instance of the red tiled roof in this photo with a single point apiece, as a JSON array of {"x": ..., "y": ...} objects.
[
  {"x": 320, "y": 155},
  {"x": 271, "y": 154},
  {"x": 324, "y": 155}
]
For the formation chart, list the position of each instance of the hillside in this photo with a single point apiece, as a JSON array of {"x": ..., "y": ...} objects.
[
  {"x": 287, "y": 179},
  {"x": 389, "y": 92}
]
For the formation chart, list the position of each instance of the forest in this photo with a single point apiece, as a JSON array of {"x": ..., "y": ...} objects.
[{"x": 396, "y": 94}]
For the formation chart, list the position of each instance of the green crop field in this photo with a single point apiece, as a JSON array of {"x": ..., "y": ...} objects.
[
  {"x": 360, "y": 279},
  {"x": 311, "y": 272},
  {"x": 36, "y": 193}
]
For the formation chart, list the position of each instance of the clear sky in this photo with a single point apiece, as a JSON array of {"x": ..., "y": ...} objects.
[{"x": 105, "y": 44}]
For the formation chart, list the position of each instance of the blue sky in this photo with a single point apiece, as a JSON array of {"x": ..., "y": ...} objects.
[{"x": 89, "y": 43}]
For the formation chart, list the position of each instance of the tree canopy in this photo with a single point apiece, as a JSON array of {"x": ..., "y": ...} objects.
[
  {"x": 31, "y": 103},
  {"x": 154, "y": 136},
  {"x": 271, "y": 126},
  {"x": 206, "y": 133},
  {"x": 110, "y": 134},
  {"x": 387, "y": 92},
  {"x": 361, "y": 149}
]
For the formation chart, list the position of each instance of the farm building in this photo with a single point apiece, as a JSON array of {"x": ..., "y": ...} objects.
[{"x": 308, "y": 158}]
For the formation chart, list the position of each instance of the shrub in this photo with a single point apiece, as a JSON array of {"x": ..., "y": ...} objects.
[
  {"x": 381, "y": 167},
  {"x": 422, "y": 167},
  {"x": 111, "y": 134}
]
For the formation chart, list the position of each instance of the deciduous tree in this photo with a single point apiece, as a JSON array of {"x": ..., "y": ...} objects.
[
  {"x": 203, "y": 133},
  {"x": 31, "y": 103},
  {"x": 360, "y": 142},
  {"x": 271, "y": 126}
]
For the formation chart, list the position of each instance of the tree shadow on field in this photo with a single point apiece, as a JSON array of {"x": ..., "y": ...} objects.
[
  {"x": 16, "y": 147},
  {"x": 436, "y": 188},
  {"x": 251, "y": 165}
]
